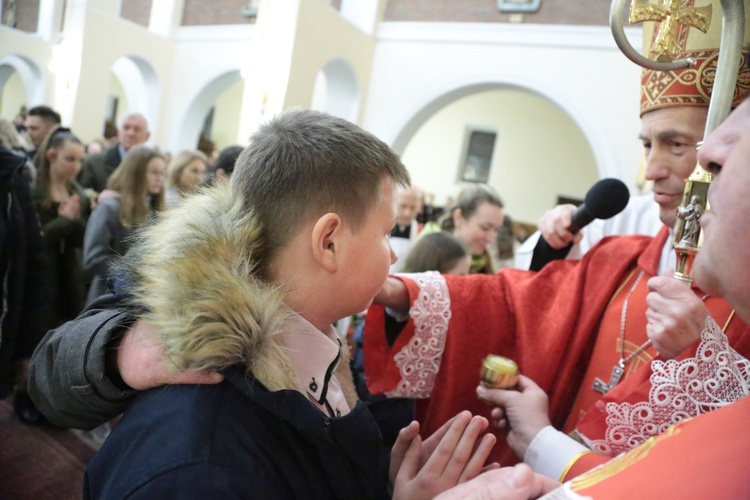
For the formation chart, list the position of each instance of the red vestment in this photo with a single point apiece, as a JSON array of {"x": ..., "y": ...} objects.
[
  {"x": 548, "y": 322},
  {"x": 703, "y": 457}
]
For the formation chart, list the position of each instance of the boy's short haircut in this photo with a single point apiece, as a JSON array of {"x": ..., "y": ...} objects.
[
  {"x": 47, "y": 114},
  {"x": 304, "y": 164}
]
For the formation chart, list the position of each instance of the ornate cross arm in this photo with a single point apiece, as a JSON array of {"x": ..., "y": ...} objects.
[
  {"x": 669, "y": 16},
  {"x": 647, "y": 12}
]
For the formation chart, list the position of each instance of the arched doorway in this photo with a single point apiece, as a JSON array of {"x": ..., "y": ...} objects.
[
  {"x": 134, "y": 88},
  {"x": 210, "y": 103},
  {"x": 21, "y": 83},
  {"x": 539, "y": 154},
  {"x": 336, "y": 90}
]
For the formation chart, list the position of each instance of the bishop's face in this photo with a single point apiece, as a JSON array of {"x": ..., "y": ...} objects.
[{"x": 669, "y": 137}]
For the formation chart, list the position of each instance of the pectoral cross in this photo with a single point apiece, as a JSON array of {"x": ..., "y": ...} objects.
[
  {"x": 668, "y": 15},
  {"x": 617, "y": 372}
]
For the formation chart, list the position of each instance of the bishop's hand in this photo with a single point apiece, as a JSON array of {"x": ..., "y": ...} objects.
[
  {"x": 509, "y": 483},
  {"x": 676, "y": 316},
  {"x": 521, "y": 413}
]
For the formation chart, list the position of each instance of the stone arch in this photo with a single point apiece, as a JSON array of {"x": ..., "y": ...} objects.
[
  {"x": 31, "y": 75},
  {"x": 428, "y": 101},
  {"x": 141, "y": 86},
  {"x": 337, "y": 90},
  {"x": 196, "y": 113}
]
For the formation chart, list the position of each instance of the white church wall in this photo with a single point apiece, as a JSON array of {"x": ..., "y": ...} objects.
[
  {"x": 421, "y": 67},
  {"x": 207, "y": 61}
]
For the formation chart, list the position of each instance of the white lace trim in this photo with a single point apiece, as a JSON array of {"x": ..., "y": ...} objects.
[
  {"x": 419, "y": 361},
  {"x": 715, "y": 377}
]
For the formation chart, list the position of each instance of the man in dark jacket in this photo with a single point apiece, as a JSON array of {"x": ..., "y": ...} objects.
[
  {"x": 22, "y": 294},
  {"x": 98, "y": 167}
]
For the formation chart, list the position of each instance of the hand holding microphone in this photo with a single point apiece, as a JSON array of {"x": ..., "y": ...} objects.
[
  {"x": 554, "y": 226},
  {"x": 559, "y": 226}
]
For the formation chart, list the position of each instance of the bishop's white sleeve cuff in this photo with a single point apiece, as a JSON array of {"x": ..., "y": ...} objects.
[{"x": 551, "y": 451}]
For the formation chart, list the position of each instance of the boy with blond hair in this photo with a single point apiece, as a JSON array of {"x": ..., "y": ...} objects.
[{"x": 247, "y": 281}]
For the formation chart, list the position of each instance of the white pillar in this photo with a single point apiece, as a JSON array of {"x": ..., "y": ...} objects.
[{"x": 166, "y": 16}]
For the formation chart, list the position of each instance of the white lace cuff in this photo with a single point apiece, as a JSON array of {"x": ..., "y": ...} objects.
[{"x": 419, "y": 361}]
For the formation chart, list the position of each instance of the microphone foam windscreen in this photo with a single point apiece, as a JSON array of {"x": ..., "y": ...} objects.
[{"x": 607, "y": 198}]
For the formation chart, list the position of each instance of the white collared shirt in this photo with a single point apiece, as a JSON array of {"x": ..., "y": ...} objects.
[{"x": 315, "y": 356}]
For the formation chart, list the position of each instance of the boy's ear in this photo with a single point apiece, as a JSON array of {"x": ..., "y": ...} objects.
[{"x": 326, "y": 241}]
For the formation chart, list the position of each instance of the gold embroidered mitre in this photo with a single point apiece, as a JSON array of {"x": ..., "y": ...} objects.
[{"x": 678, "y": 29}]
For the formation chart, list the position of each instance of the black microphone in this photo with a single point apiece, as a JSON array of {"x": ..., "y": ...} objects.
[{"x": 606, "y": 198}]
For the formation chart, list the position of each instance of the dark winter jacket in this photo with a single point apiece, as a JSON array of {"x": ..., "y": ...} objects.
[
  {"x": 23, "y": 291},
  {"x": 237, "y": 440}
]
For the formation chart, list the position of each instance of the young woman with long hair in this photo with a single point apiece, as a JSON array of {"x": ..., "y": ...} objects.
[
  {"x": 63, "y": 209},
  {"x": 186, "y": 175},
  {"x": 139, "y": 184},
  {"x": 475, "y": 219}
]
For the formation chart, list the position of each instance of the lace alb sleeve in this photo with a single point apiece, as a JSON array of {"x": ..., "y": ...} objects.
[{"x": 715, "y": 377}]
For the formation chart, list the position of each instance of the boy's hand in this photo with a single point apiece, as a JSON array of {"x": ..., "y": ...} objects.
[
  {"x": 521, "y": 413},
  {"x": 508, "y": 483},
  {"x": 676, "y": 316},
  {"x": 451, "y": 456},
  {"x": 141, "y": 363}
]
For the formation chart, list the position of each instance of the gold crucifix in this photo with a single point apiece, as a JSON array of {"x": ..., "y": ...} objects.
[{"x": 668, "y": 15}]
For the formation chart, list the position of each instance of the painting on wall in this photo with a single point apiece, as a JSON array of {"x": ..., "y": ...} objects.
[{"x": 479, "y": 145}]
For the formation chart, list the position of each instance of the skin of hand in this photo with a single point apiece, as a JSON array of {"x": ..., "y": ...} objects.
[
  {"x": 142, "y": 365},
  {"x": 452, "y": 455},
  {"x": 393, "y": 294},
  {"x": 107, "y": 194},
  {"x": 509, "y": 483},
  {"x": 70, "y": 208},
  {"x": 521, "y": 413},
  {"x": 554, "y": 226},
  {"x": 676, "y": 316}
]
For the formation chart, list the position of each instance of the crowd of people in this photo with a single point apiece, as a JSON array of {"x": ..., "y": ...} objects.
[
  {"x": 87, "y": 200},
  {"x": 203, "y": 317}
]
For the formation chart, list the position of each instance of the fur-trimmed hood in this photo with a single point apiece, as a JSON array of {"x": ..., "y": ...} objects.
[{"x": 194, "y": 272}]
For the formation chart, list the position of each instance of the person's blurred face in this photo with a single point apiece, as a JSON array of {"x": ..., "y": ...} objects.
[
  {"x": 723, "y": 263},
  {"x": 134, "y": 131},
  {"x": 461, "y": 266},
  {"x": 409, "y": 205},
  {"x": 669, "y": 137},
  {"x": 156, "y": 171},
  {"x": 480, "y": 229},
  {"x": 191, "y": 176},
  {"x": 67, "y": 160},
  {"x": 94, "y": 148},
  {"x": 37, "y": 128}
]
